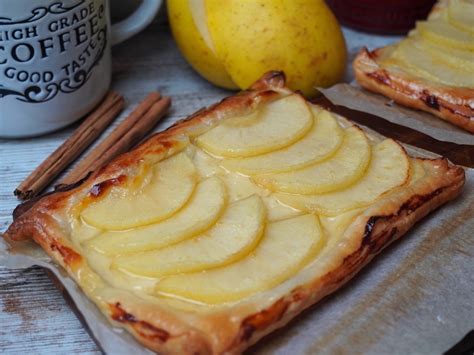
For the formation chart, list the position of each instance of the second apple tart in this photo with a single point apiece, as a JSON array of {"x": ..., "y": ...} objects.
[{"x": 432, "y": 69}]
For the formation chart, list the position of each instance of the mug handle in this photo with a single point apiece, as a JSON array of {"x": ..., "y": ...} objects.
[{"x": 136, "y": 22}]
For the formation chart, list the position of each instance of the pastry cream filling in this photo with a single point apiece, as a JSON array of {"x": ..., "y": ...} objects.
[
  {"x": 197, "y": 229},
  {"x": 440, "y": 49}
]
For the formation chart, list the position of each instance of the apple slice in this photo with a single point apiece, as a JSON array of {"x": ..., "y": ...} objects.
[
  {"x": 287, "y": 247},
  {"x": 455, "y": 58},
  {"x": 345, "y": 167},
  {"x": 234, "y": 235},
  {"x": 440, "y": 32},
  {"x": 461, "y": 15},
  {"x": 421, "y": 62},
  {"x": 388, "y": 169},
  {"x": 199, "y": 214},
  {"x": 321, "y": 142},
  {"x": 188, "y": 23},
  {"x": 171, "y": 185},
  {"x": 274, "y": 126}
]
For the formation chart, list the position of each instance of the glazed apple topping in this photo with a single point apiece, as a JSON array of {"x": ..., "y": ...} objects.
[
  {"x": 440, "y": 49},
  {"x": 238, "y": 210}
]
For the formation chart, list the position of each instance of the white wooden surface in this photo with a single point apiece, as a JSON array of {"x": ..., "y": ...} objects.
[{"x": 34, "y": 318}]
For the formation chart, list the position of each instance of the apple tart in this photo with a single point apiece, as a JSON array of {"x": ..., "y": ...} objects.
[
  {"x": 224, "y": 227},
  {"x": 432, "y": 69}
]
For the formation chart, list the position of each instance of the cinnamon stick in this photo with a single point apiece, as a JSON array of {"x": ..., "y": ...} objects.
[
  {"x": 134, "y": 134},
  {"x": 94, "y": 124},
  {"x": 83, "y": 167}
]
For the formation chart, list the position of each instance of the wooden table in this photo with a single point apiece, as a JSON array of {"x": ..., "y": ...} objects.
[{"x": 34, "y": 318}]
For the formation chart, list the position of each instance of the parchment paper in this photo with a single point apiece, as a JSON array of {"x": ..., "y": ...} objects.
[
  {"x": 416, "y": 297},
  {"x": 356, "y": 98}
]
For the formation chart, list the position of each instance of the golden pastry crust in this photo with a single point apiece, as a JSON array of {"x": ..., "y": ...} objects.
[
  {"x": 452, "y": 104},
  {"x": 230, "y": 328}
]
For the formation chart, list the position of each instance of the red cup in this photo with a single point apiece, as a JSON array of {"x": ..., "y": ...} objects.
[{"x": 381, "y": 16}]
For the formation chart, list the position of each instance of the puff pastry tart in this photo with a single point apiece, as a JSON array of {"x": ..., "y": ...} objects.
[
  {"x": 223, "y": 228},
  {"x": 432, "y": 69}
]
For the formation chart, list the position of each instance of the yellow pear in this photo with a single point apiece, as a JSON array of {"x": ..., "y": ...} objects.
[
  {"x": 264, "y": 131},
  {"x": 233, "y": 43}
]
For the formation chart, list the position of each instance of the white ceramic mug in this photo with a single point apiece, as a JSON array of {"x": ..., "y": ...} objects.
[{"x": 55, "y": 62}]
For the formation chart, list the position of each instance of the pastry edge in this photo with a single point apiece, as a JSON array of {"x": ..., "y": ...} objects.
[
  {"x": 163, "y": 330},
  {"x": 454, "y": 105}
]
